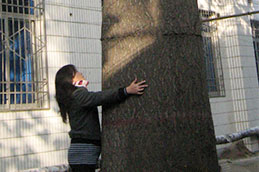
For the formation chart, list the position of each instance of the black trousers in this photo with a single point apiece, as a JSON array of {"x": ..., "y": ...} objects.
[{"x": 83, "y": 168}]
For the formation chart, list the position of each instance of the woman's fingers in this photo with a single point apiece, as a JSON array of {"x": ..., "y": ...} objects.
[
  {"x": 140, "y": 89},
  {"x": 141, "y": 82},
  {"x": 138, "y": 83},
  {"x": 135, "y": 80},
  {"x": 137, "y": 87},
  {"x": 140, "y": 93},
  {"x": 143, "y": 86}
]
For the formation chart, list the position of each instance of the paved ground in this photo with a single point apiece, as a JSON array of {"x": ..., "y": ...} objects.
[
  {"x": 242, "y": 165},
  {"x": 250, "y": 164},
  {"x": 235, "y": 158}
]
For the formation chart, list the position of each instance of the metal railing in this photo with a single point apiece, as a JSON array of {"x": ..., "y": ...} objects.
[
  {"x": 23, "y": 79},
  {"x": 212, "y": 55},
  {"x": 255, "y": 32}
]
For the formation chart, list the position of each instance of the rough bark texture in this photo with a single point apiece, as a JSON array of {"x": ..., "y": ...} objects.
[{"x": 170, "y": 127}]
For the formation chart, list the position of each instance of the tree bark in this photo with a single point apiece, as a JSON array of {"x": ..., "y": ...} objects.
[{"x": 165, "y": 129}]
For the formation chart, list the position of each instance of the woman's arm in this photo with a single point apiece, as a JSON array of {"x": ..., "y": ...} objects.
[{"x": 87, "y": 98}]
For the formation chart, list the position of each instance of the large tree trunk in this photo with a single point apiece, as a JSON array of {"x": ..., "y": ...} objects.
[{"x": 170, "y": 127}]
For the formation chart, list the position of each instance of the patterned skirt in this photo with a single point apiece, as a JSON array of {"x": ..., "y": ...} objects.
[{"x": 83, "y": 153}]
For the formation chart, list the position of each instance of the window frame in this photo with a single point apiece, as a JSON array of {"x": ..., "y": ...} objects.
[
  {"x": 35, "y": 17},
  {"x": 255, "y": 28},
  {"x": 210, "y": 31}
]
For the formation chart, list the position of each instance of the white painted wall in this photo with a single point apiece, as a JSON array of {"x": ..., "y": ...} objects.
[
  {"x": 238, "y": 110},
  {"x": 37, "y": 139}
]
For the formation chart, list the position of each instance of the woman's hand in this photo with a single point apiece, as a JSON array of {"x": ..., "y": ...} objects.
[{"x": 136, "y": 87}]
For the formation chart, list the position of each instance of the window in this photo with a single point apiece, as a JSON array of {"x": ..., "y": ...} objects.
[
  {"x": 23, "y": 79},
  {"x": 255, "y": 29},
  {"x": 212, "y": 55}
]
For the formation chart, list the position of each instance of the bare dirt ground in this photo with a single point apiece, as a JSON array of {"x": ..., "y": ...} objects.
[{"x": 237, "y": 158}]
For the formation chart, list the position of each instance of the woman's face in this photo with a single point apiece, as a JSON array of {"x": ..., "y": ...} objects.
[{"x": 78, "y": 77}]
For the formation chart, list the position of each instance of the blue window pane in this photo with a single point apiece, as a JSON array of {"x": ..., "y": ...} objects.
[
  {"x": 20, "y": 64},
  {"x": 31, "y": 5},
  {"x": 210, "y": 66},
  {"x": 256, "y": 58},
  {"x": 18, "y": 6}
]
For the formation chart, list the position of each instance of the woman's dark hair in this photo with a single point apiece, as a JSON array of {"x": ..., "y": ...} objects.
[{"x": 65, "y": 88}]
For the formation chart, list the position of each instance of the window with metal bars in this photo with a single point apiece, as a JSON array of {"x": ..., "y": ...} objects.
[
  {"x": 255, "y": 30},
  {"x": 23, "y": 79},
  {"x": 212, "y": 55}
]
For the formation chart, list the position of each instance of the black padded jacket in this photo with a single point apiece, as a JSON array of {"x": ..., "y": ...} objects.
[{"x": 83, "y": 113}]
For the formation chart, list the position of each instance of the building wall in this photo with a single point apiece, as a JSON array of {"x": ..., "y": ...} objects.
[
  {"x": 238, "y": 110},
  {"x": 33, "y": 139}
]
